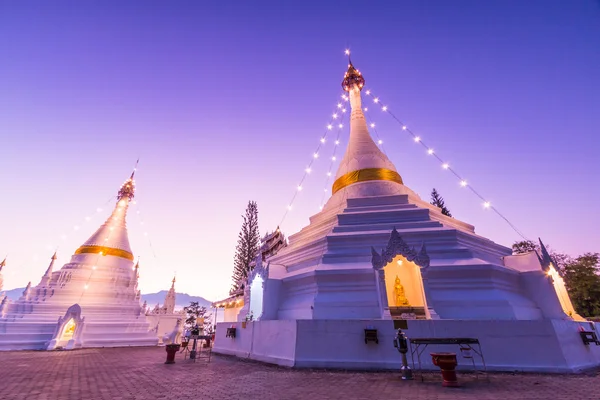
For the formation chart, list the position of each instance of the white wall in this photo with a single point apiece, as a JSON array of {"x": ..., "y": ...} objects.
[{"x": 540, "y": 346}]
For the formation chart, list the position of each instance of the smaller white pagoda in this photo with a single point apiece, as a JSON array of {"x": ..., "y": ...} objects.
[
  {"x": 165, "y": 321},
  {"x": 92, "y": 301}
]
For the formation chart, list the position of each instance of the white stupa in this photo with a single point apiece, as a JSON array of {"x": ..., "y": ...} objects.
[
  {"x": 92, "y": 301},
  {"x": 377, "y": 252}
]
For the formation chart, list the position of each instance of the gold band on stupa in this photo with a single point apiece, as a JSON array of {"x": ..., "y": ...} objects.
[
  {"x": 106, "y": 251},
  {"x": 364, "y": 175}
]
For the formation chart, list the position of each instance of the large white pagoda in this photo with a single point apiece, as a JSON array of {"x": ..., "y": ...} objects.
[
  {"x": 92, "y": 301},
  {"x": 377, "y": 254}
]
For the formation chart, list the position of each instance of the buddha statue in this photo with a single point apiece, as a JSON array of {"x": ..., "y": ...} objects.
[{"x": 401, "y": 300}]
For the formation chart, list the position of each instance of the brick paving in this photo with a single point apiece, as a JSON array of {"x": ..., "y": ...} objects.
[{"x": 140, "y": 373}]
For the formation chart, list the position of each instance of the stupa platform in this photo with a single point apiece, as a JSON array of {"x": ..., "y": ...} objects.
[{"x": 550, "y": 346}]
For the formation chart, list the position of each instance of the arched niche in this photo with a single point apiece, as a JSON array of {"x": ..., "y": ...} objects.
[
  {"x": 256, "y": 297},
  {"x": 400, "y": 260},
  {"x": 69, "y": 327},
  {"x": 254, "y": 291},
  {"x": 403, "y": 284}
]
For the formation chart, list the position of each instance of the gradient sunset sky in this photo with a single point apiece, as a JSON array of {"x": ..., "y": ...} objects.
[{"x": 225, "y": 102}]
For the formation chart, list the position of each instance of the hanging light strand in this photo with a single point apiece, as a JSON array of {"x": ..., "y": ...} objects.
[
  {"x": 335, "y": 116},
  {"x": 336, "y": 145},
  {"x": 142, "y": 224},
  {"x": 463, "y": 183},
  {"x": 373, "y": 127}
]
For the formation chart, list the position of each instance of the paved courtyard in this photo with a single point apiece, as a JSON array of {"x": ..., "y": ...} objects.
[{"x": 140, "y": 373}]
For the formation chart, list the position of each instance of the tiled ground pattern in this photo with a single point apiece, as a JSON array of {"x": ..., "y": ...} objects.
[{"x": 140, "y": 373}]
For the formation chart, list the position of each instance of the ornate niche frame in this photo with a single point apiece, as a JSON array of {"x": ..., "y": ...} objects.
[
  {"x": 262, "y": 271},
  {"x": 74, "y": 313},
  {"x": 397, "y": 246}
]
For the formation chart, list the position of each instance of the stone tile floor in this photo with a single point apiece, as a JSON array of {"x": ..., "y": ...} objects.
[{"x": 140, "y": 373}]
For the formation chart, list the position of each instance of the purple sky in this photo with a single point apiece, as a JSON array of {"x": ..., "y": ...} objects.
[{"x": 226, "y": 103}]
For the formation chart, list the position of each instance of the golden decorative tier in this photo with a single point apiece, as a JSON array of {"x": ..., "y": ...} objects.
[
  {"x": 363, "y": 175},
  {"x": 105, "y": 251}
]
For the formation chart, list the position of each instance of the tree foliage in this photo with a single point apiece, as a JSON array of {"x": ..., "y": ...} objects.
[
  {"x": 583, "y": 284},
  {"x": 196, "y": 314},
  {"x": 525, "y": 246},
  {"x": 247, "y": 247},
  {"x": 438, "y": 201}
]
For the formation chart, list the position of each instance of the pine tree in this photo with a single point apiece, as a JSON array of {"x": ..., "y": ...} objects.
[
  {"x": 438, "y": 201},
  {"x": 247, "y": 247}
]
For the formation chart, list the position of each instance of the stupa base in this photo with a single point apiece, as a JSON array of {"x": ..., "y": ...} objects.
[{"x": 553, "y": 346}]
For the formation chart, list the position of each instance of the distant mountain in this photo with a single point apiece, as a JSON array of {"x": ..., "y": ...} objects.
[
  {"x": 182, "y": 299},
  {"x": 14, "y": 294}
]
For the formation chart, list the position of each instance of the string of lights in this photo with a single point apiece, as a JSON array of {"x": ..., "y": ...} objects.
[
  {"x": 124, "y": 198},
  {"x": 338, "y": 111},
  {"x": 333, "y": 156},
  {"x": 445, "y": 165},
  {"x": 142, "y": 224},
  {"x": 100, "y": 254},
  {"x": 373, "y": 128},
  {"x": 75, "y": 228}
]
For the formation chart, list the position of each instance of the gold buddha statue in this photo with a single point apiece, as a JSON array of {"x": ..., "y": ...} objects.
[{"x": 401, "y": 300}]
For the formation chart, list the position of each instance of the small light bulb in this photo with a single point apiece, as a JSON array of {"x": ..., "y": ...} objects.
[
  {"x": 365, "y": 109},
  {"x": 320, "y": 207},
  {"x": 308, "y": 170},
  {"x": 373, "y": 125},
  {"x": 94, "y": 267},
  {"x": 417, "y": 139},
  {"x": 384, "y": 108},
  {"x": 347, "y": 52},
  {"x": 329, "y": 126},
  {"x": 463, "y": 183},
  {"x": 487, "y": 204},
  {"x": 340, "y": 126},
  {"x": 343, "y": 110},
  {"x": 376, "y": 100},
  {"x": 316, "y": 155},
  {"x": 299, "y": 188},
  {"x": 333, "y": 158},
  {"x": 322, "y": 140},
  {"x": 430, "y": 151},
  {"x": 445, "y": 166},
  {"x": 339, "y": 105},
  {"x": 369, "y": 91},
  {"x": 289, "y": 207},
  {"x": 337, "y": 142},
  {"x": 98, "y": 209},
  {"x": 404, "y": 127},
  {"x": 85, "y": 287},
  {"x": 87, "y": 218},
  {"x": 335, "y": 116},
  {"x": 111, "y": 228},
  {"x": 380, "y": 141},
  {"x": 324, "y": 190},
  {"x": 399, "y": 262},
  {"x": 329, "y": 174}
]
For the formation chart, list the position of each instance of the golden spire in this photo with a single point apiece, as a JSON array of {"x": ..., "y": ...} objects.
[
  {"x": 111, "y": 238},
  {"x": 363, "y": 161},
  {"x": 353, "y": 77}
]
